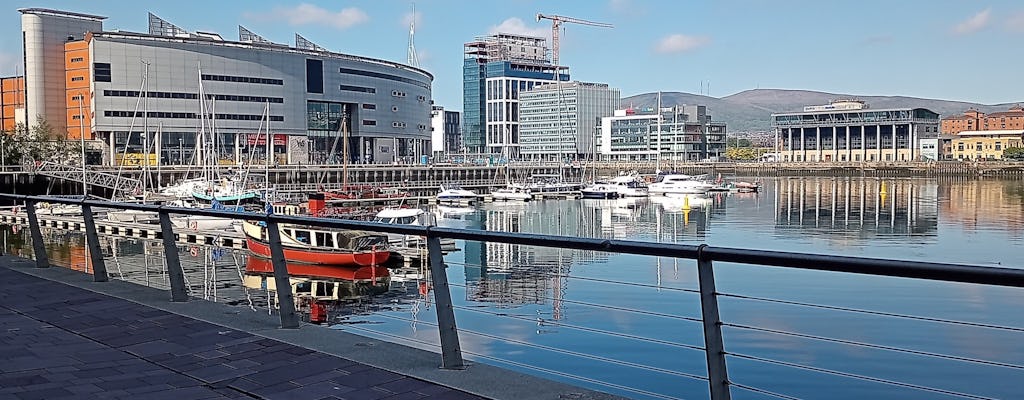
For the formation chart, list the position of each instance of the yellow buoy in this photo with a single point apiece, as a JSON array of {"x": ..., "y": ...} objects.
[{"x": 686, "y": 203}]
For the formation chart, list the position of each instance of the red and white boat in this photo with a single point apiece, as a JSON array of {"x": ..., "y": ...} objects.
[{"x": 320, "y": 246}]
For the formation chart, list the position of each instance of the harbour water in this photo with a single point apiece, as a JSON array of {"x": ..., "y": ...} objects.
[{"x": 625, "y": 324}]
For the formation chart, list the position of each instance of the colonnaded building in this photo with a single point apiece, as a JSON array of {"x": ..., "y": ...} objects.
[
  {"x": 112, "y": 86},
  {"x": 848, "y": 130}
]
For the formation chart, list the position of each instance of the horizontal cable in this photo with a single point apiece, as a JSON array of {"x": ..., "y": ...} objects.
[
  {"x": 857, "y": 376},
  {"x": 562, "y": 351},
  {"x": 605, "y": 306},
  {"x": 585, "y": 329},
  {"x": 877, "y": 346},
  {"x": 762, "y": 391},
  {"x": 583, "y": 278},
  {"x": 878, "y": 313}
]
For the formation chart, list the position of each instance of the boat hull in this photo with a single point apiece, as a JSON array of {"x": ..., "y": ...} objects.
[
  {"x": 599, "y": 194},
  {"x": 320, "y": 257}
]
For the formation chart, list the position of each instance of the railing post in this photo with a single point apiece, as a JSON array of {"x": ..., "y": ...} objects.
[
  {"x": 92, "y": 242},
  {"x": 451, "y": 352},
  {"x": 714, "y": 346},
  {"x": 285, "y": 302},
  {"x": 174, "y": 272},
  {"x": 38, "y": 247}
]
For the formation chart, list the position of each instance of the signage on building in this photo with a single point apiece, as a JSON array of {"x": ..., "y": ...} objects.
[{"x": 259, "y": 139}]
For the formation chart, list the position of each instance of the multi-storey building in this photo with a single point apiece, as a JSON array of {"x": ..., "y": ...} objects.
[
  {"x": 559, "y": 121},
  {"x": 12, "y": 102},
  {"x": 683, "y": 133},
  {"x": 112, "y": 87},
  {"x": 974, "y": 120},
  {"x": 495, "y": 70},
  {"x": 985, "y": 145},
  {"x": 847, "y": 130},
  {"x": 446, "y": 134}
]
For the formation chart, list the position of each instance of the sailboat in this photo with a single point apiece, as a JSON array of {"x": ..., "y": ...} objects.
[{"x": 510, "y": 191}]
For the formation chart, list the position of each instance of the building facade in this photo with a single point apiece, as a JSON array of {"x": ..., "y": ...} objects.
[
  {"x": 559, "y": 121},
  {"x": 446, "y": 132},
  {"x": 848, "y": 130},
  {"x": 974, "y": 120},
  {"x": 496, "y": 69},
  {"x": 985, "y": 145},
  {"x": 681, "y": 133},
  {"x": 151, "y": 93},
  {"x": 12, "y": 102}
]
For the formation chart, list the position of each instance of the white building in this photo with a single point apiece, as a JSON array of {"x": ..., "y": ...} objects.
[
  {"x": 559, "y": 121},
  {"x": 683, "y": 133}
]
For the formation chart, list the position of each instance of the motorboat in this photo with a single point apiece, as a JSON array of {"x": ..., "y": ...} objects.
[
  {"x": 453, "y": 193},
  {"x": 323, "y": 246},
  {"x": 550, "y": 184},
  {"x": 512, "y": 193},
  {"x": 404, "y": 216},
  {"x": 58, "y": 209},
  {"x": 629, "y": 186},
  {"x": 600, "y": 190},
  {"x": 679, "y": 184},
  {"x": 205, "y": 223}
]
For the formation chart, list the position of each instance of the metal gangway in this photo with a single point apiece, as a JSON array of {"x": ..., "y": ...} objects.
[{"x": 119, "y": 184}]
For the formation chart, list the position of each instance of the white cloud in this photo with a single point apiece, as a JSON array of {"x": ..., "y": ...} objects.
[
  {"x": 625, "y": 7},
  {"x": 517, "y": 26},
  {"x": 309, "y": 14},
  {"x": 1016, "y": 22},
  {"x": 975, "y": 23},
  {"x": 679, "y": 43},
  {"x": 408, "y": 17}
]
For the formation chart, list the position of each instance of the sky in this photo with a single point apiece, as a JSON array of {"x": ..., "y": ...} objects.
[{"x": 941, "y": 49}]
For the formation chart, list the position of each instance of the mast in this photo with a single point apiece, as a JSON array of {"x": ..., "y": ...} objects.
[
  {"x": 270, "y": 148},
  {"x": 344, "y": 147},
  {"x": 145, "y": 129},
  {"x": 657, "y": 153}
]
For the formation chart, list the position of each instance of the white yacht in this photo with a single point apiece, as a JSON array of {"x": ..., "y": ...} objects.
[
  {"x": 453, "y": 193},
  {"x": 629, "y": 186},
  {"x": 550, "y": 184},
  {"x": 679, "y": 184},
  {"x": 600, "y": 190},
  {"x": 512, "y": 193}
]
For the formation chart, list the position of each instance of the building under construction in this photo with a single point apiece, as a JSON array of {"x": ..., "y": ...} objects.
[{"x": 495, "y": 69}]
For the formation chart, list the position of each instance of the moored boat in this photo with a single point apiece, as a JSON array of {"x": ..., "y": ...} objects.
[
  {"x": 453, "y": 193},
  {"x": 323, "y": 246},
  {"x": 511, "y": 193}
]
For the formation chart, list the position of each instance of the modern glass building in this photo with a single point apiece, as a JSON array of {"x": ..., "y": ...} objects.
[
  {"x": 496, "y": 69},
  {"x": 847, "y": 130},
  {"x": 153, "y": 93},
  {"x": 682, "y": 133},
  {"x": 558, "y": 121}
]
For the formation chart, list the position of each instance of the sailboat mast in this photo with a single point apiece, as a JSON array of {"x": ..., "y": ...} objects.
[
  {"x": 344, "y": 147},
  {"x": 145, "y": 129},
  {"x": 270, "y": 150},
  {"x": 657, "y": 152}
]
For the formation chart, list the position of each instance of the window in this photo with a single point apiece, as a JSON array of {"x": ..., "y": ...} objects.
[
  {"x": 302, "y": 236},
  {"x": 397, "y": 93},
  {"x": 325, "y": 239},
  {"x": 241, "y": 79},
  {"x": 76, "y": 117},
  {"x": 77, "y": 59},
  {"x": 369, "y": 106},
  {"x": 394, "y": 108},
  {"x": 398, "y": 124},
  {"x": 101, "y": 72},
  {"x": 76, "y": 97},
  {"x": 384, "y": 76},
  {"x": 77, "y": 78},
  {"x": 314, "y": 76},
  {"x": 369, "y": 122},
  {"x": 349, "y": 88}
]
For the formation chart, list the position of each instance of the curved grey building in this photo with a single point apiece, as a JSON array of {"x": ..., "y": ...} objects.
[{"x": 154, "y": 82}]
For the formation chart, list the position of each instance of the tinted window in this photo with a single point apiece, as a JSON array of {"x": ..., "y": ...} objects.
[{"x": 314, "y": 76}]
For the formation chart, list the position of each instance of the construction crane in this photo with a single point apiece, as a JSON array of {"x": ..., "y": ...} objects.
[{"x": 556, "y": 22}]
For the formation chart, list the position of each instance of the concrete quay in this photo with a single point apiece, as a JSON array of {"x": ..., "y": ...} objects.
[{"x": 66, "y": 337}]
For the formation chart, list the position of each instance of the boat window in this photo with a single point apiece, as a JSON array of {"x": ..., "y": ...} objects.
[
  {"x": 405, "y": 220},
  {"x": 325, "y": 239},
  {"x": 302, "y": 236},
  {"x": 303, "y": 287},
  {"x": 325, "y": 289}
]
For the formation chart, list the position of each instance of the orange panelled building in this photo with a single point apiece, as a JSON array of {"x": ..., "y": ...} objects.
[
  {"x": 974, "y": 120},
  {"x": 78, "y": 97},
  {"x": 12, "y": 101}
]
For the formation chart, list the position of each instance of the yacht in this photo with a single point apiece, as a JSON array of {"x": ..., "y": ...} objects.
[
  {"x": 600, "y": 190},
  {"x": 453, "y": 193},
  {"x": 679, "y": 184},
  {"x": 549, "y": 184},
  {"x": 629, "y": 186},
  {"x": 512, "y": 193}
]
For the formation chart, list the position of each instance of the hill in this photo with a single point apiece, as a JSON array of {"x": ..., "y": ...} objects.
[{"x": 751, "y": 110}]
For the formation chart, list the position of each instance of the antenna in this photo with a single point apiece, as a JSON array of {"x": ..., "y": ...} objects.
[{"x": 411, "y": 58}]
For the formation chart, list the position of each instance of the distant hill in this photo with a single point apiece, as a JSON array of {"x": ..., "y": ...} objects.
[{"x": 751, "y": 110}]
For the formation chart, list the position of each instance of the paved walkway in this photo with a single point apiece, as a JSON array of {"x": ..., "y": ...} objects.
[{"x": 62, "y": 342}]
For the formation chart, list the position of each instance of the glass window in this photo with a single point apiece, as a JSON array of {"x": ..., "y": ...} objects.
[
  {"x": 302, "y": 236},
  {"x": 314, "y": 76}
]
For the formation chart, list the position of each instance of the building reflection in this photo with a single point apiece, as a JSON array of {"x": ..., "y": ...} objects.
[
  {"x": 856, "y": 208},
  {"x": 984, "y": 204}
]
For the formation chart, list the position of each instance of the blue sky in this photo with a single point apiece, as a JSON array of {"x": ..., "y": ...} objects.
[{"x": 944, "y": 49}]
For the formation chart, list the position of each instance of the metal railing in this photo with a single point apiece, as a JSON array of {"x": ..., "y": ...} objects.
[{"x": 704, "y": 255}]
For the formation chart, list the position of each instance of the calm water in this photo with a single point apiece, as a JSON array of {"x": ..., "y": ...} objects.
[{"x": 612, "y": 321}]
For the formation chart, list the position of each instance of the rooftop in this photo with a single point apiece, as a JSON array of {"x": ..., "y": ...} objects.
[
  {"x": 59, "y": 13},
  {"x": 998, "y": 132}
]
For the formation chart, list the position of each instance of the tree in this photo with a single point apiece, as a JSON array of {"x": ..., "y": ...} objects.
[
  {"x": 1013, "y": 153},
  {"x": 39, "y": 143}
]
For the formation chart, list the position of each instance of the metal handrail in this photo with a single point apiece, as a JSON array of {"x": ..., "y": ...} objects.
[{"x": 451, "y": 353}]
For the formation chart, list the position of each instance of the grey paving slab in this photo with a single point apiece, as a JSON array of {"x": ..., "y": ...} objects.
[{"x": 119, "y": 340}]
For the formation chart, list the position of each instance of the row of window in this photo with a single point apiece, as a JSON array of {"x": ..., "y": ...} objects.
[
  {"x": 350, "y": 88},
  {"x": 241, "y": 79},
  {"x": 193, "y": 96},
  {"x": 77, "y": 59},
  {"x": 188, "y": 115},
  {"x": 384, "y": 76},
  {"x": 101, "y": 72}
]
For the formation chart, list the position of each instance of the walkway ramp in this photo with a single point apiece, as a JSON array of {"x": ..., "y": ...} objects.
[{"x": 120, "y": 185}]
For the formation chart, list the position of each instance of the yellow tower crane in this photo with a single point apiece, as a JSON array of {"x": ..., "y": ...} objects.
[{"x": 556, "y": 22}]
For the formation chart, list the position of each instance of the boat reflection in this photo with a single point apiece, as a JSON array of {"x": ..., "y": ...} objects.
[{"x": 319, "y": 282}]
